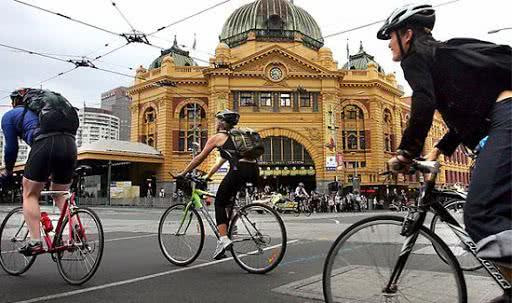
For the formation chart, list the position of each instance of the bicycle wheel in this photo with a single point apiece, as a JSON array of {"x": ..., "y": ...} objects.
[
  {"x": 467, "y": 261},
  {"x": 259, "y": 238},
  {"x": 307, "y": 210},
  {"x": 361, "y": 261},
  {"x": 297, "y": 210},
  {"x": 79, "y": 262},
  {"x": 13, "y": 235},
  {"x": 181, "y": 234}
]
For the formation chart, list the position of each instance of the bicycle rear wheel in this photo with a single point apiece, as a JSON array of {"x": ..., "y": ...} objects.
[
  {"x": 13, "y": 235},
  {"x": 259, "y": 238},
  {"x": 361, "y": 261},
  {"x": 467, "y": 261},
  {"x": 181, "y": 234},
  {"x": 307, "y": 210},
  {"x": 80, "y": 261}
]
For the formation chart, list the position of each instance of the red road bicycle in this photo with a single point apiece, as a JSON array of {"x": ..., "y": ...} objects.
[{"x": 76, "y": 245}]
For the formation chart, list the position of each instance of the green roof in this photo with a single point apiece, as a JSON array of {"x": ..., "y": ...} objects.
[
  {"x": 361, "y": 60},
  {"x": 181, "y": 57},
  {"x": 276, "y": 20}
]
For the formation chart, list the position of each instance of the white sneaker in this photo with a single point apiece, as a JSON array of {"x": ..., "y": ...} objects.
[{"x": 222, "y": 245}]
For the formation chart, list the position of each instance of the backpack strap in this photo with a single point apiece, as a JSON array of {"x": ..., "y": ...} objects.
[{"x": 19, "y": 126}]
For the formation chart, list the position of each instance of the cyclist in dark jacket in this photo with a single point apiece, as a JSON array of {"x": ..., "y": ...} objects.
[
  {"x": 470, "y": 83},
  {"x": 50, "y": 155}
]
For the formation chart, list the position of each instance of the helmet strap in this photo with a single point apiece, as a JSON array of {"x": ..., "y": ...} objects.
[{"x": 403, "y": 54}]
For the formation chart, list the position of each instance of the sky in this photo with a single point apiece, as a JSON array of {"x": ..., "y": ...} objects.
[{"x": 28, "y": 28}]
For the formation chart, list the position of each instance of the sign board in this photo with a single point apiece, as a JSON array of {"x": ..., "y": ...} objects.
[{"x": 330, "y": 163}]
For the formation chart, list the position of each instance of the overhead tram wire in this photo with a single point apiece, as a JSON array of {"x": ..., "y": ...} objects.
[
  {"x": 188, "y": 17},
  {"x": 122, "y": 15},
  {"x": 136, "y": 37}
]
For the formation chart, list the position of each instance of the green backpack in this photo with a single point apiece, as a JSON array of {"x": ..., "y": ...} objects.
[{"x": 248, "y": 143}]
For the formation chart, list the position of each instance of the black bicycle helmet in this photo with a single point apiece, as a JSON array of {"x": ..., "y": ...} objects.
[
  {"x": 228, "y": 116},
  {"x": 19, "y": 93},
  {"x": 421, "y": 15}
]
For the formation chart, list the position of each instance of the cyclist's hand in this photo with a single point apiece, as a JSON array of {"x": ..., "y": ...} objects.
[{"x": 399, "y": 164}]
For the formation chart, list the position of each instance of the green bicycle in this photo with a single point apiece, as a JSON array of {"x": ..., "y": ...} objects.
[{"x": 257, "y": 231}]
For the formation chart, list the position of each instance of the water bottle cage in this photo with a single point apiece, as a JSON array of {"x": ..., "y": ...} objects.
[{"x": 411, "y": 222}]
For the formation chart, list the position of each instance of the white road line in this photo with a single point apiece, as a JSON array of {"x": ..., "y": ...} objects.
[
  {"x": 130, "y": 238},
  {"x": 335, "y": 221},
  {"x": 130, "y": 281}
]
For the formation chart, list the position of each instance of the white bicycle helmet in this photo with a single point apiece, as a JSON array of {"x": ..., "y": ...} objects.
[{"x": 422, "y": 15}]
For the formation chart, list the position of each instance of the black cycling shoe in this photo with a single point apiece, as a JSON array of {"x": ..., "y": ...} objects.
[{"x": 31, "y": 249}]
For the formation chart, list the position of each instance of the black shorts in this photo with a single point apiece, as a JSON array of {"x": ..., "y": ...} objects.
[{"x": 53, "y": 156}]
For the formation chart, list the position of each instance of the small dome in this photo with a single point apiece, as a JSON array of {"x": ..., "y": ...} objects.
[
  {"x": 271, "y": 20},
  {"x": 180, "y": 57},
  {"x": 222, "y": 45},
  {"x": 361, "y": 60}
]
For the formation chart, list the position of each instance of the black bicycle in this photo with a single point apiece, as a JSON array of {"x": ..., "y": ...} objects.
[{"x": 397, "y": 259}]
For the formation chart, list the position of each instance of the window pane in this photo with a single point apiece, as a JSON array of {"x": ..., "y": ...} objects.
[
  {"x": 305, "y": 100},
  {"x": 287, "y": 149},
  {"x": 285, "y": 100},
  {"x": 297, "y": 151},
  {"x": 266, "y": 99},
  {"x": 247, "y": 99},
  {"x": 268, "y": 152},
  {"x": 276, "y": 149}
]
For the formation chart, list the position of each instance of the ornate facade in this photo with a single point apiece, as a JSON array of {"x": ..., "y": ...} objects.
[{"x": 320, "y": 122}]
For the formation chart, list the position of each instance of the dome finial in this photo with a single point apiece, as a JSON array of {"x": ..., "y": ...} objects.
[
  {"x": 175, "y": 42},
  {"x": 361, "y": 49}
]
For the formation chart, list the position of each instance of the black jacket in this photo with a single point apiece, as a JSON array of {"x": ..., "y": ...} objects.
[{"x": 461, "y": 78}]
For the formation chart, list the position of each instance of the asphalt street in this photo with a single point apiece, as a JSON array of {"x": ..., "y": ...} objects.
[{"x": 133, "y": 268}]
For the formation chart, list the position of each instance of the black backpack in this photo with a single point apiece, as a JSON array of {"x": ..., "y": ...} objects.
[
  {"x": 248, "y": 143},
  {"x": 56, "y": 114}
]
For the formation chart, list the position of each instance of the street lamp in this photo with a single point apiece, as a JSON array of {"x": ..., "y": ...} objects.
[{"x": 498, "y": 30}]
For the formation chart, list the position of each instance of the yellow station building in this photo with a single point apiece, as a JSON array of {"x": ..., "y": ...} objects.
[{"x": 320, "y": 120}]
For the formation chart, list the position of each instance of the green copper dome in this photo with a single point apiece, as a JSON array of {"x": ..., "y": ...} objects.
[
  {"x": 271, "y": 20},
  {"x": 181, "y": 57},
  {"x": 361, "y": 60}
]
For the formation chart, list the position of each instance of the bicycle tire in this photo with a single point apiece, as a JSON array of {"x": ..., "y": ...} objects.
[
  {"x": 264, "y": 241},
  {"x": 466, "y": 260},
  {"x": 353, "y": 275},
  {"x": 297, "y": 210},
  {"x": 161, "y": 237},
  {"x": 307, "y": 210},
  {"x": 6, "y": 250},
  {"x": 84, "y": 248}
]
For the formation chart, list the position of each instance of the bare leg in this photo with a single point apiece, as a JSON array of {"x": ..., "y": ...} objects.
[
  {"x": 59, "y": 199},
  {"x": 31, "y": 210}
]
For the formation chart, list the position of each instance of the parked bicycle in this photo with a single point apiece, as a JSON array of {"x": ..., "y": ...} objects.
[
  {"x": 257, "y": 231},
  {"x": 400, "y": 259},
  {"x": 76, "y": 245}
]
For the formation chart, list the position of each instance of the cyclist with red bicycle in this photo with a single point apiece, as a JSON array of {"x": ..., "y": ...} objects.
[
  {"x": 470, "y": 83},
  {"x": 47, "y": 122}
]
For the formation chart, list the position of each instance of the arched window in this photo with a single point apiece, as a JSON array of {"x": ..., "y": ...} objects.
[
  {"x": 148, "y": 133},
  {"x": 353, "y": 125},
  {"x": 192, "y": 127},
  {"x": 388, "y": 130}
]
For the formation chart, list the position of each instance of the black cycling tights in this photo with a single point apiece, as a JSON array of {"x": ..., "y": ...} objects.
[{"x": 230, "y": 185}]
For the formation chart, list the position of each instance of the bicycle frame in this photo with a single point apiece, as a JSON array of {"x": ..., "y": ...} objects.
[
  {"x": 423, "y": 205},
  {"x": 67, "y": 210},
  {"x": 196, "y": 202}
]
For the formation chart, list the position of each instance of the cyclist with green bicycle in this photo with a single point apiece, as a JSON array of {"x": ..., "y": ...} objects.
[
  {"x": 470, "y": 83},
  {"x": 242, "y": 170}
]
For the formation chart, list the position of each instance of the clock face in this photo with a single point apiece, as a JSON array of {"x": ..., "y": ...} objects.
[{"x": 276, "y": 73}]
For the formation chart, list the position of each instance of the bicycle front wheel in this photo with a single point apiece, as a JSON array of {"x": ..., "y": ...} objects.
[
  {"x": 84, "y": 246},
  {"x": 361, "y": 261},
  {"x": 307, "y": 210},
  {"x": 181, "y": 234},
  {"x": 259, "y": 238},
  {"x": 13, "y": 235},
  {"x": 466, "y": 259}
]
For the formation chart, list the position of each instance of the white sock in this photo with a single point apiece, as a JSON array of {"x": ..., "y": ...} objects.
[{"x": 224, "y": 238}]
